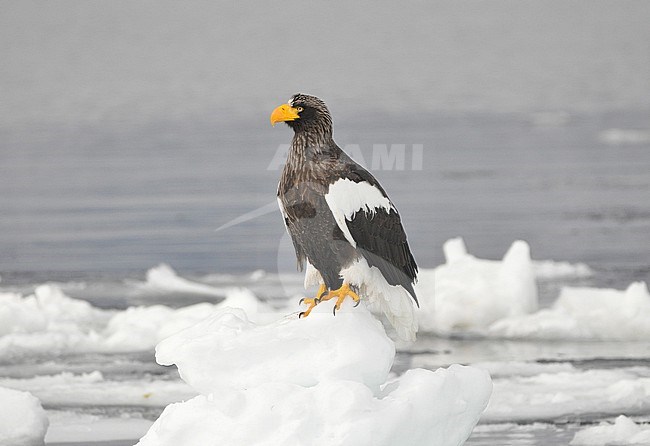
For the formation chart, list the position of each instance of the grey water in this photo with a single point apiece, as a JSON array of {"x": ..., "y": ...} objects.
[
  {"x": 119, "y": 200},
  {"x": 130, "y": 132}
]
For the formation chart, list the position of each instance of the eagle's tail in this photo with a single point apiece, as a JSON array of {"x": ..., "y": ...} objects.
[{"x": 392, "y": 300}]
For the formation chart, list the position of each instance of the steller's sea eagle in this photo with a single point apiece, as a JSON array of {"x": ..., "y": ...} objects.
[{"x": 341, "y": 222}]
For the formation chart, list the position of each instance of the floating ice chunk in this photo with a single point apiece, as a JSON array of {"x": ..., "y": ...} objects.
[
  {"x": 454, "y": 249},
  {"x": 256, "y": 310},
  {"x": 226, "y": 350},
  {"x": 47, "y": 309},
  {"x": 140, "y": 328},
  {"x": 50, "y": 322},
  {"x": 499, "y": 369},
  {"x": 585, "y": 313},
  {"x": 256, "y": 275},
  {"x": 467, "y": 293},
  {"x": 91, "y": 389},
  {"x": 421, "y": 408},
  {"x": 319, "y": 381},
  {"x": 623, "y": 432},
  {"x": 549, "y": 269},
  {"x": 163, "y": 278},
  {"x": 78, "y": 428},
  {"x": 23, "y": 421},
  {"x": 576, "y": 394}
]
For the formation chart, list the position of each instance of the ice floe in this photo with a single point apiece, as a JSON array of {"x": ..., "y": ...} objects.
[
  {"x": 623, "y": 431},
  {"x": 501, "y": 369},
  {"x": 48, "y": 309},
  {"x": 549, "y": 269},
  {"x": 499, "y": 299},
  {"x": 163, "y": 278},
  {"x": 467, "y": 293},
  {"x": 585, "y": 313},
  {"x": 74, "y": 427},
  {"x": 577, "y": 394},
  {"x": 320, "y": 381},
  {"x": 314, "y": 349},
  {"x": 464, "y": 295},
  {"x": 52, "y": 323},
  {"x": 23, "y": 421},
  {"x": 92, "y": 389},
  {"x": 140, "y": 328}
]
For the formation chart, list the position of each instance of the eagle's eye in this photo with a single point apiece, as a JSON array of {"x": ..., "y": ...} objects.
[{"x": 299, "y": 109}]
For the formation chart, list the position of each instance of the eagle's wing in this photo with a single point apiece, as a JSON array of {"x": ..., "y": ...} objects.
[
  {"x": 371, "y": 224},
  {"x": 301, "y": 257}
]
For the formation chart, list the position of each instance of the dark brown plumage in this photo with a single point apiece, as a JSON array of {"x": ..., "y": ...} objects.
[{"x": 336, "y": 212}]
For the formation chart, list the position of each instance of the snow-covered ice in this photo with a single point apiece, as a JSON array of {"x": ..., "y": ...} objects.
[
  {"x": 623, "y": 431},
  {"x": 321, "y": 380},
  {"x": 467, "y": 293},
  {"x": 92, "y": 389},
  {"x": 23, "y": 421},
  {"x": 503, "y": 369},
  {"x": 549, "y": 269},
  {"x": 140, "y": 328},
  {"x": 499, "y": 299},
  {"x": 50, "y": 322},
  {"x": 303, "y": 352},
  {"x": 73, "y": 427},
  {"x": 47, "y": 310},
  {"x": 566, "y": 394},
  {"x": 246, "y": 357},
  {"x": 585, "y": 313},
  {"x": 163, "y": 278},
  {"x": 420, "y": 408}
]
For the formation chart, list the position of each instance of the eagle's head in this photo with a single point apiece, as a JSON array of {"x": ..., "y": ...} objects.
[{"x": 304, "y": 113}]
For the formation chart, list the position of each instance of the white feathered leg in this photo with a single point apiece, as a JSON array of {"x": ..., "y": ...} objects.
[{"x": 392, "y": 300}]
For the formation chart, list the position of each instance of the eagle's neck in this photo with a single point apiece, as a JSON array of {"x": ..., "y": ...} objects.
[
  {"x": 310, "y": 157},
  {"x": 304, "y": 143}
]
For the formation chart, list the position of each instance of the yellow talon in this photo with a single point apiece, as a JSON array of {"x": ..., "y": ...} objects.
[
  {"x": 340, "y": 295},
  {"x": 312, "y": 301},
  {"x": 323, "y": 294}
]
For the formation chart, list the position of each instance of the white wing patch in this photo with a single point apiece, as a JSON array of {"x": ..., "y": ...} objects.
[
  {"x": 312, "y": 276},
  {"x": 284, "y": 214},
  {"x": 346, "y": 197}
]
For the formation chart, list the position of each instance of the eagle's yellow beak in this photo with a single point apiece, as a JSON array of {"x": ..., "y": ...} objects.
[{"x": 283, "y": 113}]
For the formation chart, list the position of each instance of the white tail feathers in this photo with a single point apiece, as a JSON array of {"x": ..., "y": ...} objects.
[{"x": 392, "y": 300}]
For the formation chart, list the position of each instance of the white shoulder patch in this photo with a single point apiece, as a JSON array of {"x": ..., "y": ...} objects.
[{"x": 346, "y": 197}]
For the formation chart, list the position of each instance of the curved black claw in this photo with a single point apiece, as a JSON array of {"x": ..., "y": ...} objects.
[
  {"x": 316, "y": 300},
  {"x": 300, "y": 315},
  {"x": 356, "y": 304}
]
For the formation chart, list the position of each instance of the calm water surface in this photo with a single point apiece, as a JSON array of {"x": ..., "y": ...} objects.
[{"x": 120, "y": 199}]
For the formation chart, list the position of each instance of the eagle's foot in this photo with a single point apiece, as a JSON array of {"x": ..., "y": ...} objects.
[
  {"x": 340, "y": 295},
  {"x": 312, "y": 301}
]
